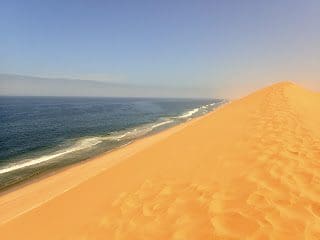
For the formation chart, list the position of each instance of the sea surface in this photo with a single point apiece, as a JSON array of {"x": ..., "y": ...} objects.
[{"x": 42, "y": 134}]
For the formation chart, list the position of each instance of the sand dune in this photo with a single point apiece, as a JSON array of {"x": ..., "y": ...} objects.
[{"x": 249, "y": 170}]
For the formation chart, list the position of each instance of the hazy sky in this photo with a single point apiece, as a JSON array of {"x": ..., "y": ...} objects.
[{"x": 229, "y": 46}]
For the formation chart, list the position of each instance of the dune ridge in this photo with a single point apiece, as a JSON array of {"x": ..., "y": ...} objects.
[{"x": 249, "y": 170}]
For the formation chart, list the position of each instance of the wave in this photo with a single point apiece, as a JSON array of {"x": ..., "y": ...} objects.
[
  {"x": 189, "y": 113},
  {"x": 84, "y": 144},
  {"x": 90, "y": 142},
  {"x": 192, "y": 112},
  {"x": 161, "y": 124},
  {"x": 203, "y": 109},
  {"x": 81, "y": 144}
]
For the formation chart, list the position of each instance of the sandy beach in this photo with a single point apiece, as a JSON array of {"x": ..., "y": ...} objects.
[{"x": 248, "y": 170}]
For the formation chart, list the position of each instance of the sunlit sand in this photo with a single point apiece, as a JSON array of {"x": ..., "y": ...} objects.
[{"x": 248, "y": 170}]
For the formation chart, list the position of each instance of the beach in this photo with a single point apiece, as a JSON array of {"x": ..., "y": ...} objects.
[
  {"x": 40, "y": 135},
  {"x": 248, "y": 170}
]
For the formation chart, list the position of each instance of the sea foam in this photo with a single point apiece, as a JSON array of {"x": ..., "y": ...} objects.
[{"x": 84, "y": 144}]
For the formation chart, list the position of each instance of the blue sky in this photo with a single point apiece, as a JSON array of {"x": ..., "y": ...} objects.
[{"x": 221, "y": 45}]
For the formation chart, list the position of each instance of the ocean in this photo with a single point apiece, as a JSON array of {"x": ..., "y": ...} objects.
[{"x": 42, "y": 134}]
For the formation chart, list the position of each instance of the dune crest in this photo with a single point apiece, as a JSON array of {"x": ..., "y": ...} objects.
[{"x": 250, "y": 170}]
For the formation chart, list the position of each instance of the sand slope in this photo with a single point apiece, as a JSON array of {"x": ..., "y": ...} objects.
[{"x": 249, "y": 170}]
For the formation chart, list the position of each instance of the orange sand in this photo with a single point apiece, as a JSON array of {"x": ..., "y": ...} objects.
[{"x": 250, "y": 170}]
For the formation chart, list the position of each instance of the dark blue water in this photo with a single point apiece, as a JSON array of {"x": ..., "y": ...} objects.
[{"x": 42, "y": 133}]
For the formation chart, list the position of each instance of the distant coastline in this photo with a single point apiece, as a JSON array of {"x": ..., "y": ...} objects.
[{"x": 24, "y": 85}]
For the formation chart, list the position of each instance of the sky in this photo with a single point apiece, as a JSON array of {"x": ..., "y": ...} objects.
[{"x": 223, "y": 47}]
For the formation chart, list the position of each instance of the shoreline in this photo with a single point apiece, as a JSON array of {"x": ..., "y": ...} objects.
[
  {"x": 55, "y": 167},
  {"x": 57, "y": 170},
  {"x": 61, "y": 172}
]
